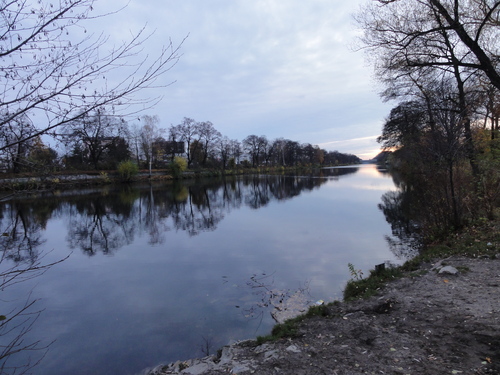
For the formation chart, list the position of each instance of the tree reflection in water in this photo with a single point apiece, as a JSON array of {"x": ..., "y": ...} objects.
[
  {"x": 21, "y": 259},
  {"x": 101, "y": 221},
  {"x": 399, "y": 211}
]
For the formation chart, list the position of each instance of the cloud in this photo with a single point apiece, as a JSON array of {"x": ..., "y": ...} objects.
[{"x": 266, "y": 67}]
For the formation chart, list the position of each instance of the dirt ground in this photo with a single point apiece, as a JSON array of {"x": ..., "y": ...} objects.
[{"x": 425, "y": 323}]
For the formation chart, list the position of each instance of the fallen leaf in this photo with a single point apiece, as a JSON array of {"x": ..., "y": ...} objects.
[
  {"x": 446, "y": 281},
  {"x": 488, "y": 359}
]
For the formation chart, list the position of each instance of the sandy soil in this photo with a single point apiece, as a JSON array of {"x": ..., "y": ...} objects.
[{"x": 425, "y": 323}]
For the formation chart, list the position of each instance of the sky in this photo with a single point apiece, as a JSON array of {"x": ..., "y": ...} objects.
[{"x": 279, "y": 68}]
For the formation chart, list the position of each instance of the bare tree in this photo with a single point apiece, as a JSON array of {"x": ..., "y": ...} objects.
[
  {"x": 14, "y": 134},
  {"x": 209, "y": 137},
  {"x": 255, "y": 147},
  {"x": 224, "y": 150},
  {"x": 413, "y": 33},
  {"x": 56, "y": 72},
  {"x": 150, "y": 132},
  {"x": 420, "y": 45},
  {"x": 236, "y": 151},
  {"x": 187, "y": 131},
  {"x": 97, "y": 132}
]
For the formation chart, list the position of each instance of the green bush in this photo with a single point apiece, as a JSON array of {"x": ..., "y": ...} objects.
[
  {"x": 127, "y": 170},
  {"x": 178, "y": 166}
]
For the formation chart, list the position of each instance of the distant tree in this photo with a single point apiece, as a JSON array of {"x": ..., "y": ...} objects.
[
  {"x": 319, "y": 155},
  {"x": 251, "y": 147},
  {"x": 97, "y": 133},
  {"x": 117, "y": 152},
  {"x": 292, "y": 153},
  {"x": 236, "y": 150},
  {"x": 308, "y": 153},
  {"x": 255, "y": 147},
  {"x": 52, "y": 69},
  {"x": 16, "y": 138},
  {"x": 208, "y": 137},
  {"x": 196, "y": 153},
  {"x": 134, "y": 140},
  {"x": 42, "y": 157},
  {"x": 224, "y": 150},
  {"x": 188, "y": 132},
  {"x": 279, "y": 146},
  {"x": 149, "y": 133}
]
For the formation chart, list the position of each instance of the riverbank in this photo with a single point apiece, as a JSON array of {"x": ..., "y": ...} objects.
[
  {"x": 28, "y": 182},
  {"x": 442, "y": 316}
]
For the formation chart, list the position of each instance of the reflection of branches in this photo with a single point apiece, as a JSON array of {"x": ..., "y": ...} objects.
[
  {"x": 202, "y": 211},
  {"x": 258, "y": 195},
  {"x": 14, "y": 326},
  {"x": 405, "y": 240},
  {"x": 282, "y": 304},
  {"x": 21, "y": 236},
  {"x": 206, "y": 346},
  {"x": 20, "y": 260},
  {"x": 18, "y": 322},
  {"x": 14, "y": 274},
  {"x": 97, "y": 228}
]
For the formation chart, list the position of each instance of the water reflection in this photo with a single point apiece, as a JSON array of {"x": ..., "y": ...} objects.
[
  {"x": 103, "y": 221},
  {"x": 167, "y": 247},
  {"x": 21, "y": 260},
  {"x": 398, "y": 208}
]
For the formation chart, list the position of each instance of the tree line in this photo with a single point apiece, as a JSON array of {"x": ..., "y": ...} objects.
[
  {"x": 439, "y": 61},
  {"x": 99, "y": 140}
]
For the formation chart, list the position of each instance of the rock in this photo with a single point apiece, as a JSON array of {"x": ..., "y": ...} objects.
[
  {"x": 239, "y": 369},
  {"x": 227, "y": 354},
  {"x": 263, "y": 348},
  {"x": 271, "y": 354},
  {"x": 449, "y": 270},
  {"x": 293, "y": 349},
  {"x": 289, "y": 306},
  {"x": 197, "y": 369}
]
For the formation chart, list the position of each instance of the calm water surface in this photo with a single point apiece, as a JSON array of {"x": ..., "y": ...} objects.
[{"x": 161, "y": 273}]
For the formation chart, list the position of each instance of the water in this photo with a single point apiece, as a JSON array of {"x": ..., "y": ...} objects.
[{"x": 165, "y": 272}]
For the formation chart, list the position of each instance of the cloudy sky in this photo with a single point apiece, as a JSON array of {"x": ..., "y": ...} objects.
[{"x": 279, "y": 68}]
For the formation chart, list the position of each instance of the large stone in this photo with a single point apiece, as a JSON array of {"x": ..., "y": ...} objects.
[
  {"x": 197, "y": 369},
  {"x": 293, "y": 349},
  {"x": 289, "y": 306},
  {"x": 448, "y": 270},
  {"x": 239, "y": 368}
]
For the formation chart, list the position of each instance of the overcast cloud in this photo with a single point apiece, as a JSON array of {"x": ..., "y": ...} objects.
[{"x": 265, "y": 67}]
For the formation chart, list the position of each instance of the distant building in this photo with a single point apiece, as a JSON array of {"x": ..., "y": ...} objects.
[{"x": 172, "y": 147}]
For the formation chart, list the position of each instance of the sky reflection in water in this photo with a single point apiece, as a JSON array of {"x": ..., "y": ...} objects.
[{"x": 157, "y": 273}]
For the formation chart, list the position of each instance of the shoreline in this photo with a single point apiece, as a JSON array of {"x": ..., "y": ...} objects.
[
  {"x": 426, "y": 322},
  {"x": 440, "y": 315}
]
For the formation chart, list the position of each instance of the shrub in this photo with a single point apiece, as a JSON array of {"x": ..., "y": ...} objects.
[
  {"x": 127, "y": 170},
  {"x": 178, "y": 166}
]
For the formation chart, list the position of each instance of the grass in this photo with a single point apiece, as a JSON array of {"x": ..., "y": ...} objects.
[
  {"x": 290, "y": 327},
  {"x": 364, "y": 288}
]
